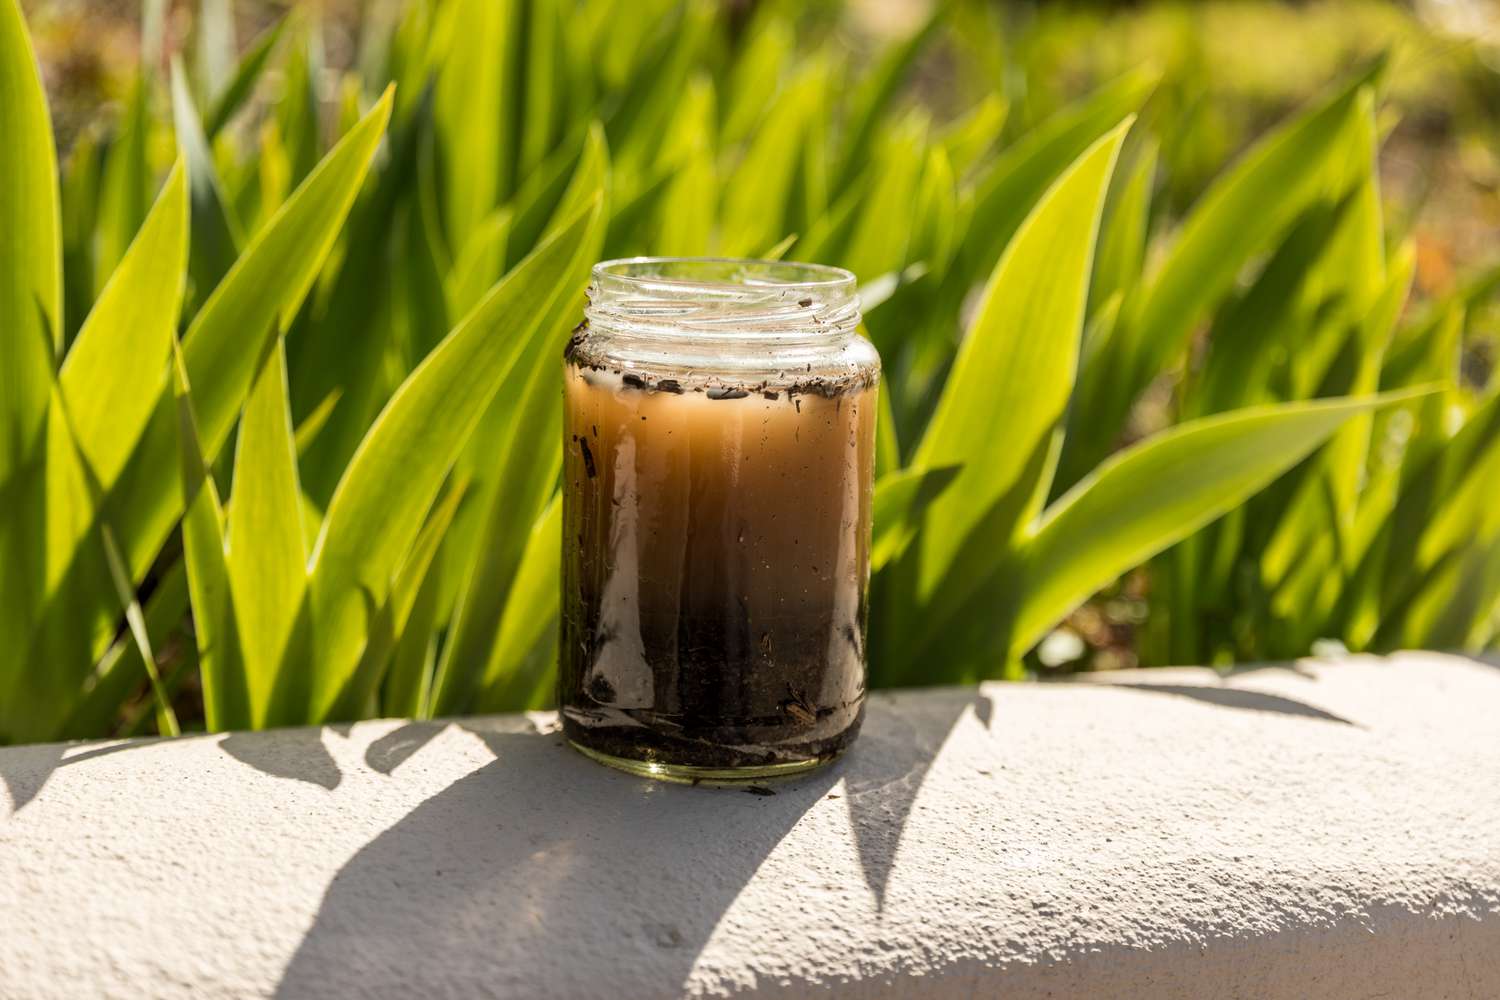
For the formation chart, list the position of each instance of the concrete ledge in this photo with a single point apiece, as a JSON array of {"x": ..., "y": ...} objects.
[{"x": 1326, "y": 830}]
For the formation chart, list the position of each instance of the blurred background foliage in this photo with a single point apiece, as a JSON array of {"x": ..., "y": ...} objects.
[{"x": 1294, "y": 169}]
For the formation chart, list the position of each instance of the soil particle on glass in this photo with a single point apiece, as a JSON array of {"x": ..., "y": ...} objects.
[{"x": 576, "y": 337}]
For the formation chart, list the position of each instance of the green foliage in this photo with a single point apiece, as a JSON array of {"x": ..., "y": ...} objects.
[{"x": 288, "y": 421}]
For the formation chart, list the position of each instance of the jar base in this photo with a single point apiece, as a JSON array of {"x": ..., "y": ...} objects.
[{"x": 691, "y": 774}]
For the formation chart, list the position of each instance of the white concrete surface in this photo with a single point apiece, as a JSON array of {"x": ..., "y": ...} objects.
[{"x": 1324, "y": 831}]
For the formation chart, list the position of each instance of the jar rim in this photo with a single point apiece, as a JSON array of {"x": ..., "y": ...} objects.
[
  {"x": 723, "y": 299},
  {"x": 721, "y": 273}
]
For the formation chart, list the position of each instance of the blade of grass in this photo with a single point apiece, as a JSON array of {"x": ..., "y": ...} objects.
[
  {"x": 384, "y": 495},
  {"x": 267, "y": 560},
  {"x": 226, "y": 698},
  {"x": 262, "y": 292},
  {"x": 900, "y": 500},
  {"x": 505, "y": 685},
  {"x": 126, "y": 184},
  {"x": 30, "y": 246},
  {"x": 1015, "y": 369},
  {"x": 216, "y": 240},
  {"x": 1149, "y": 496},
  {"x": 242, "y": 85},
  {"x": 475, "y": 123}
]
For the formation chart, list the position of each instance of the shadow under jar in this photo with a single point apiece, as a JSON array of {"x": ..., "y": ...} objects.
[{"x": 719, "y": 447}]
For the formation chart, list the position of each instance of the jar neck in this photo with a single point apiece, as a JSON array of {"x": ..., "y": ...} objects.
[{"x": 723, "y": 305}]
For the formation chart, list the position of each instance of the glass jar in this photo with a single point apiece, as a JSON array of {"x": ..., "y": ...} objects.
[{"x": 720, "y": 443}]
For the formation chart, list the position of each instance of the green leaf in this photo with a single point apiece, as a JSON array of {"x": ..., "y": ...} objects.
[
  {"x": 80, "y": 218},
  {"x": 226, "y": 699},
  {"x": 756, "y": 74},
  {"x": 651, "y": 96},
  {"x": 1247, "y": 206},
  {"x": 536, "y": 202},
  {"x": 1015, "y": 371},
  {"x": 114, "y": 373},
  {"x": 540, "y": 123},
  {"x": 1015, "y": 181},
  {"x": 475, "y": 123},
  {"x": 215, "y": 45},
  {"x": 1253, "y": 331},
  {"x": 882, "y": 235},
  {"x": 121, "y": 671},
  {"x": 74, "y": 499},
  {"x": 935, "y": 225},
  {"x": 384, "y": 495},
  {"x": 223, "y": 349},
  {"x": 875, "y": 91},
  {"x": 297, "y": 113},
  {"x": 267, "y": 561},
  {"x": 480, "y": 263},
  {"x": 126, "y": 184},
  {"x": 228, "y": 338},
  {"x": 104, "y": 399},
  {"x": 242, "y": 85},
  {"x": 408, "y": 683},
  {"x": 967, "y": 140},
  {"x": 689, "y": 208},
  {"x": 1268, "y": 188},
  {"x": 1122, "y": 233},
  {"x": 415, "y": 582},
  {"x": 341, "y": 347},
  {"x": 1146, "y": 498},
  {"x": 757, "y": 193},
  {"x": 514, "y": 453},
  {"x": 30, "y": 246},
  {"x": 216, "y": 241},
  {"x": 887, "y": 441},
  {"x": 530, "y": 618},
  {"x": 900, "y": 500}
]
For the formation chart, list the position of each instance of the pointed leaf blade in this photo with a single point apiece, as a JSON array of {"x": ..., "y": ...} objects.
[
  {"x": 1150, "y": 496},
  {"x": 384, "y": 495}
]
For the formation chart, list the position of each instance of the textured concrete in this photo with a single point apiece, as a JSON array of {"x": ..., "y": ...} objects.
[{"x": 1324, "y": 830}]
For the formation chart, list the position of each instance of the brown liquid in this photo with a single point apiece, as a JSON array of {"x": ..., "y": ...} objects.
[{"x": 716, "y": 556}]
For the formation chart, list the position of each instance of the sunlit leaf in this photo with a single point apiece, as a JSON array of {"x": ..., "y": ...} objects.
[
  {"x": 229, "y": 336},
  {"x": 267, "y": 561},
  {"x": 238, "y": 90},
  {"x": 125, "y": 186},
  {"x": 1155, "y": 493},
  {"x": 1015, "y": 369},
  {"x": 474, "y": 115},
  {"x": 900, "y": 500},
  {"x": 530, "y": 618},
  {"x": 381, "y": 501},
  {"x": 226, "y": 699},
  {"x": 216, "y": 240},
  {"x": 30, "y": 244}
]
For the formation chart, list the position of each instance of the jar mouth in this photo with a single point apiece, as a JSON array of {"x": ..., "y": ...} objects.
[
  {"x": 723, "y": 297},
  {"x": 721, "y": 272}
]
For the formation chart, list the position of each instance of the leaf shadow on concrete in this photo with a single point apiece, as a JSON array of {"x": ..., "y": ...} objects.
[
  {"x": 24, "y": 770},
  {"x": 296, "y": 754},
  {"x": 888, "y": 766},
  {"x": 528, "y": 874},
  {"x": 1238, "y": 698}
]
